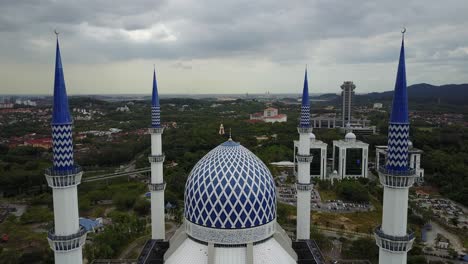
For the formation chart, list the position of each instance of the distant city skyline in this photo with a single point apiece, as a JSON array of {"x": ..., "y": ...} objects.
[{"x": 233, "y": 47}]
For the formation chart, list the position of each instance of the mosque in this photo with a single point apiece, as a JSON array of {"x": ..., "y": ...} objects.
[{"x": 230, "y": 196}]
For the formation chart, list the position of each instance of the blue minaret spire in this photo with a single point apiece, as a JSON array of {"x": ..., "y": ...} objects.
[
  {"x": 61, "y": 113},
  {"x": 61, "y": 121},
  {"x": 398, "y": 129},
  {"x": 305, "y": 107},
  {"x": 155, "y": 107}
]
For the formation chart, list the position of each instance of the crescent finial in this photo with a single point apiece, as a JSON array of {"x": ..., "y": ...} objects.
[{"x": 56, "y": 33}]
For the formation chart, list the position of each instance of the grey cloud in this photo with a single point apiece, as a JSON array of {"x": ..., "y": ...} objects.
[
  {"x": 325, "y": 32},
  {"x": 214, "y": 28}
]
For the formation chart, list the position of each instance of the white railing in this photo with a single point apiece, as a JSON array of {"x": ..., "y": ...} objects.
[
  {"x": 67, "y": 242},
  {"x": 63, "y": 178}
]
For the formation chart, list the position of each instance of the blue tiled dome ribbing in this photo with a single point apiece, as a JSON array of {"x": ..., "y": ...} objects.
[{"x": 230, "y": 188}]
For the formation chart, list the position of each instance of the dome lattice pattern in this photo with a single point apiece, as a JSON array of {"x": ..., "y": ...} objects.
[{"x": 230, "y": 188}]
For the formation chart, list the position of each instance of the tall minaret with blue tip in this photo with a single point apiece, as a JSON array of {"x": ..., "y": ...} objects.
[
  {"x": 156, "y": 159},
  {"x": 67, "y": 237},
  {"x": 393, "y": 237},
  {"x": 304, "y": 159}
]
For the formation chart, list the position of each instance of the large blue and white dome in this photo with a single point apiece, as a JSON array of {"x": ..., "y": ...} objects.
[{"x": 229, "y": 189}]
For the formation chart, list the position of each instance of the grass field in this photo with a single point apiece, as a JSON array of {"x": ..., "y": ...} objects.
[
  {"x": 328, "y": 195},
  {"x": 363, "y": 222},
  {"x": 428, "y": 129}
]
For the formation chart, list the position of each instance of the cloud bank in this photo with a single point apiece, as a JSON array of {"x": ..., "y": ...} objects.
[{"x": 217, "y": 46}]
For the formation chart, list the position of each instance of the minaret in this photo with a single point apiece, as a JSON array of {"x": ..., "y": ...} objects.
[
  {"x": 67, "y": 237},
  {"x": 221, "y": 130},
  {"x": 304, "y": 158},
  {"x": 392, "y": 237},
  {"x": 156, "y": 159}
]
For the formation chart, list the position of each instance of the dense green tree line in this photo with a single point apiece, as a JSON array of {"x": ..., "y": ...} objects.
[
  {"x": 445, "y": 159},
  {"x": 21, "y": 168},
  {"x": 107, "y": 244}
]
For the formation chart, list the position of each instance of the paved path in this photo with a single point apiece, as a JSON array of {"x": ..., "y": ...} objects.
[
  {"x": 337, "y": 233},
  {"x": 434, "y": 258},
  {"x": 133, "y": 245},
  {"x": 454, "y": 240}
]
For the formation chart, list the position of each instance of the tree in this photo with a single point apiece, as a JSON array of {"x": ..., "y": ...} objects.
[
  {"x": 362, "y": 248},
  {"x": 352, "y": 190},
  {"x": 142, "y": 206},
  {"x": 323, "y": 241},
  {"x": 454, "y": 221},
  {"x": 417, "y": 260},
  {"x": 124, "y": 201}
]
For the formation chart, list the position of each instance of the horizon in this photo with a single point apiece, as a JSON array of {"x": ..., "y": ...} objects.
[{"x": 298, "y": 94}]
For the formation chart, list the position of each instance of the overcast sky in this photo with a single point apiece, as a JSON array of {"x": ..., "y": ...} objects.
[{"x": 217, "y": 46}]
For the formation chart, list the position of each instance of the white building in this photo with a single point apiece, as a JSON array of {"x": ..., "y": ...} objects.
[
  {"x": 350, "y": 157},
  {"x": 27, "y": 102},
  {"x": 123, "y": 109},
  {"x": 378, "y": 105},
  {"x": 414, "y": 160},
  {"x": 269, "y": 115},
  {"x": 318, "y": 150},
  {"x": 347, "y": 95},
  {"x": 6, "y": 105}
]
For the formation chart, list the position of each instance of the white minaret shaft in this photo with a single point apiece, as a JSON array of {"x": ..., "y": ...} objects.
[
  {"x": 393, "y": 237},
  {"x": 303, "y": 157},
  {"x": 67, "y": 237},
  {"x": 156, "y": 159}
]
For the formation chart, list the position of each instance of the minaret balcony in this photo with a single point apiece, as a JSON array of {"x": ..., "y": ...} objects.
[
  {"x": 304, "y": 158},
  {"x": 65, "y": 243},
  {"x": 303, "y": 186},
  {"x": 397, "y": 179},
  {"x": 156, "y": 130},
  {"x": 157, "y": 186},
  {"x": 302, "y": 130},
  {"x": 156, "y": 158},
  {"x": 63, "y": 178},
  {"x": 393, "y": 243}
]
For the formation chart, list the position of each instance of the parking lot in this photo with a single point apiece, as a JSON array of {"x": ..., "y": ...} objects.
[{"x": 287, "y": 194}]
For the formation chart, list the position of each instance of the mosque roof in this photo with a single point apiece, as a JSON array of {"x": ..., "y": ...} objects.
[
  {"x": 350, "y": 136},
  {"x": 89, "y": 224},
  {"x": 230, "y": 188}
]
